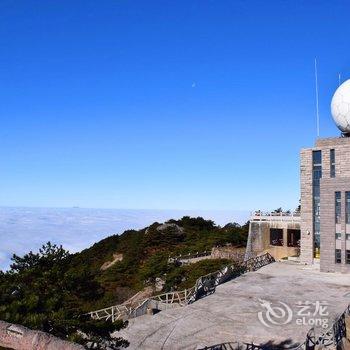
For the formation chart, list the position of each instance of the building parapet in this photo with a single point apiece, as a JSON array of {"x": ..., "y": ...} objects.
[{"x": 275, "y": 216}]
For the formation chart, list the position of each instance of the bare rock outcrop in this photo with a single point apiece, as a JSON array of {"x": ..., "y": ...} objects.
[
  {"x": 116, "y": 257},
  {"x": 166, "y": 227},
  {"x": 159, "y": 284},
  {"x": 175, "y": 228}
]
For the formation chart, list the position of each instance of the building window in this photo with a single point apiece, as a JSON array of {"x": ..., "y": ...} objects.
[
  {"x": 348, "y": 256},
  {"x": 347, "y": 207},
  {"x": 317, "y": 166},
  {"x": 337, "y": 207},
  {"x": 338, "y": 236},
  {"x": 338, "y": 256},
  {"x": 276, "y": 236},
  {"x": 332, "y": 162},
  {"x": 293, "y": 238},
  {"x": 348, "y": 236},
  {"x": 316, "y": 176},
  {"x": 317, "y": 157}
]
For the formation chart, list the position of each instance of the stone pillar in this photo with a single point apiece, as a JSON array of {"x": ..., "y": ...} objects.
[
  {"x": 307, "y": 241},
  {"x": 285, "y": 237},
  {"x": 327, "y": 261}
]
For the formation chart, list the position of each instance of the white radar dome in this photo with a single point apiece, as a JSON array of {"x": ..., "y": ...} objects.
[{"x": 340, "y": 107}]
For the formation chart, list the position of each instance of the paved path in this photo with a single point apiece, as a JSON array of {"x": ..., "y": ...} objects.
[{"x": 231, "y": 313}]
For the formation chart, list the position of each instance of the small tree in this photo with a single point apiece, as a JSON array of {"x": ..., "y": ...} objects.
[{"x": 42, "y": 292}]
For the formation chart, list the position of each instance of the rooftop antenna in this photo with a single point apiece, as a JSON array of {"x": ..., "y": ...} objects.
[{"x": 317, "y": 109}]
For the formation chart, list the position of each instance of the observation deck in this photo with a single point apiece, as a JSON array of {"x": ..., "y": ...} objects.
[{"x": 258, "y": 216}]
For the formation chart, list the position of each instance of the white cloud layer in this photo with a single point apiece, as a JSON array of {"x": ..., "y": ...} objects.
[{"x": 25, "y": 229}]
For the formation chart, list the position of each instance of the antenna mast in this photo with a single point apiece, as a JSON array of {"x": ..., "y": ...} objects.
[{"x": 317, "y": 109}]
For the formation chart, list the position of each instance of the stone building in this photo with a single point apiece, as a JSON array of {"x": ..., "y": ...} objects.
[
  {"x": 277, "y": 233},
  {"x": 325, "y": 193},
  {"x": 325, "y": 202},
  {"x": 324, "y": 224}
]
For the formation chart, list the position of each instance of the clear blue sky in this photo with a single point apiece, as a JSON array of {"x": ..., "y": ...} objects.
[{"x": 163, "y": 104}]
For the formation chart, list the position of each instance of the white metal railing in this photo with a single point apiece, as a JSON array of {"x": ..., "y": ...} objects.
[
  {"x": 134, "y": 309},
  {"x": 275, "y": 216},
  {"x": 204, "y": 285},
  {"x": 187, "y": 258}
]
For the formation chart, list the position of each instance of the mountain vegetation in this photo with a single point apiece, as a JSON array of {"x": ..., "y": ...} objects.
[
  {"x": 42, "y": 292},
  {"x": 51, "y": 290}
]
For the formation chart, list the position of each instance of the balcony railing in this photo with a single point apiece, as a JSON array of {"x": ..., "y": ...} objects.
[{"x": 275, "y": 216}]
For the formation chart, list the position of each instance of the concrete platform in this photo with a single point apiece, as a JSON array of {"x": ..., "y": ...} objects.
[{"x": 231, "y": 313}]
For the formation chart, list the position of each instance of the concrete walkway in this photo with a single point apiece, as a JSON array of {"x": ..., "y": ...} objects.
[{"x": 231, "y": 313}]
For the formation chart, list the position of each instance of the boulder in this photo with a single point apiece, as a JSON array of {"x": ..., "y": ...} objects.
[{"x": 171, "y": 226}]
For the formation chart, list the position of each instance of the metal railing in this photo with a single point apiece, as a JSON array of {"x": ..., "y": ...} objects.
[
  {"x": 135, "y": 309},
  {"x": 257, "y": 262},
  {"x": 183, "y": 259},
  {"x": 275, "y": 216},
  {"x": 248, "y": 346},
  {"x": 332, "y": 337},
  {"x": 204, "y": 286}
]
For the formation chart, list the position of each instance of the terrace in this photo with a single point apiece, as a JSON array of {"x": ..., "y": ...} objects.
[{"x": 231, "y": 313}]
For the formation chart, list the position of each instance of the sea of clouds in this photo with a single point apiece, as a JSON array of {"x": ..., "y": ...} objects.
[{"x": 25, "y": 229}]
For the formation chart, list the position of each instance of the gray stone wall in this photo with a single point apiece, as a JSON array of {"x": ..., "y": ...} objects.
[
  {"x": 328, "y": 227},
  {"x": 329, "y": 186},
  {"x": 341, "y": 145},
  {"x": 307, "y": 241},
  {"x": 21, "y": 338},
  {"x": 259, "y": 236},
  {"x": 228, "y": 252}
]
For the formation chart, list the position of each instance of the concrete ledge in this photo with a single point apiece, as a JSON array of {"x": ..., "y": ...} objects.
[{"x": 21, "y": 338}]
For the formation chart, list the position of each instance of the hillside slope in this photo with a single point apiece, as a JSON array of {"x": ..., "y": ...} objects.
[{"x": 142, "y": 256}]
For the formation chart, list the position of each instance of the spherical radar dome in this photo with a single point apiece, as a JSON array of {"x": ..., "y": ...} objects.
[{"x": 340, "y": 107}]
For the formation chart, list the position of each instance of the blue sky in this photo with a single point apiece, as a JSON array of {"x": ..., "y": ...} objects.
[{"x": 163, "y": 104}]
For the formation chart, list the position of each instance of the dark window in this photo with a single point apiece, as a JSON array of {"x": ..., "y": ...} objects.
[
  {"x": 338, "y": 236},
  {"x": 337, "y": 207},
  {"x": 316, "y": 176},
  {"x": 347, "y": 209},
  {"x": 316, "y": 157},
  {"x": 338, "y": 256},
  {"x": 348, "y": 256},
  {"x": 276, "y": 236},
  {"x": 293, "y": 238},
  {"x": 332, "y": 162},
  {"x": 317, "y": 166}
]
